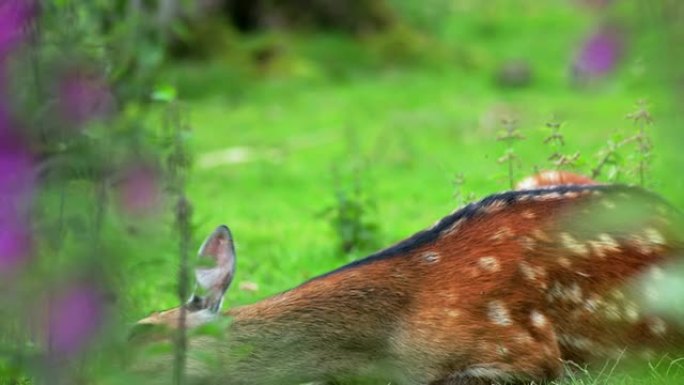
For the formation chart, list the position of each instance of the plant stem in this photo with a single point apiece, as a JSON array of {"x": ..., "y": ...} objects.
[{"x": 183, "y": 215}]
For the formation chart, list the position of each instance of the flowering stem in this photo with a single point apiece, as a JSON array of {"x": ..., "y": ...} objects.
[
  {"x": 178, "y": 165},
  {"x": 183, "y": 215}
]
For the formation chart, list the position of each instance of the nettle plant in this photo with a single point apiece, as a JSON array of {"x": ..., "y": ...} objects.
[
  {"x": 626, "y": 156},
  {"x": 628, "y": 153},
  {"x": 79, "y": 173},
  {"x": 351, "y": 216},
  {"x": 509, "y": 136}
]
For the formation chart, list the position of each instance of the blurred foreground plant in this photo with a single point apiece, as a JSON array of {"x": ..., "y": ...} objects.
[{"x": 73, "y": 139}]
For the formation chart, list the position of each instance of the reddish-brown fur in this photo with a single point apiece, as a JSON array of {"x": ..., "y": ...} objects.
[{"x": 505, "y": 290}]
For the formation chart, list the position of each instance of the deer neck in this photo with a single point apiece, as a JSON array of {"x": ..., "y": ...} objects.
[{"x": 318, "y": 330}]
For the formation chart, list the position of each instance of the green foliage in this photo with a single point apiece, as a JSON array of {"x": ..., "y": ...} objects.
[
  {"x": 629, "y": 153},
  {"x": 509, "y": 136},
  {"x": 352, "y": 216},
  {"x": 556, "y": 141},
  {"x": 350, "y": 220}
]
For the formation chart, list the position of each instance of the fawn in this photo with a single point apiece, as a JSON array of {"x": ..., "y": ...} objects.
[{"x": 504, "y": 290}]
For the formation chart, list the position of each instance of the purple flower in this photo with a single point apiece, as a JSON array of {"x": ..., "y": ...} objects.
[
  {"x": 15, "y": 244},
  {"x": 84, "y": 96},
  {"x": 15, "y": 15},
  {"x": 599, "y": 54},
  {"x": 76, "y": 315},
  {"x": 139, "y": 190},
  {"x": 17, "y": 179}
]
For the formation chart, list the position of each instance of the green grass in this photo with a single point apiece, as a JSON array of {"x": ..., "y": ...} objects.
[{"x": 266, "y": 144}]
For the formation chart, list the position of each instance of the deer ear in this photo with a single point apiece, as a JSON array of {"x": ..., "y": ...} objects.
[{"x": 215, "y": 269}]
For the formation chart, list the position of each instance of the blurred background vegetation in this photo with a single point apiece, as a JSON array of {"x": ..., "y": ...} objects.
[{"x": 318, "y": 130}]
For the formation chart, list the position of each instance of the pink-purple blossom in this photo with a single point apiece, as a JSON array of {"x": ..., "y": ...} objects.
[
  {"x": 139, "y": 190},
  {"x": 83, "y": 96},
  {"x": 15, "y": 17},
  {"x": 600, "y": 54},
  {"x": 17, "y": 179},
  {"x": 76, "y": 316}
]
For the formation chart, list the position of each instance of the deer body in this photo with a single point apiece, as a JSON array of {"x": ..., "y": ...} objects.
[{"x": 504, "y": 290}]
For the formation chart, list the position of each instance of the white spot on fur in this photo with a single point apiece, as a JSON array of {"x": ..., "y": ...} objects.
[
  {"x": 490, "y": 264},
  {"x": 656, "y": 273},
  {"x": 571, "y": 194},
  {"x": 608, "y": 241},
  {"x": 502, "y": 233},
  {"x": 534, "y": 274},
  {"x": 654, "y": 236},
  {"x": 570, "y": 243},
  {"x": 498, "y": 313},
  {"x": 540, "y": 235},
  {"x": 642, "y": 244},
  {"x": 617, "y": 294},
  {"x": 605, "y": 243},
  {"x": 538, "y": 319},
  {"x": 593, "y": 303},
  {"x": 574, "y": 293},
  {"x": 453, "y": 313},
  {"x": 657, "y": 326},
  {"x": 565, "y": 262},
  {"x": 631, "y": 312},
  {"x": 556, "y": 292},
  {"x": 597, "y": 248},
  {"x": 528, "y": 243},
  {"x": 612, "y": 312},
  {"x": 528, "y": 214},
  {"x": 430, "y": 257},
  {"x": 527, "y": 271}
]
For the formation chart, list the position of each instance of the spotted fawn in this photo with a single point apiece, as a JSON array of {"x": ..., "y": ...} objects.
[{"x": 505, "y": 290}]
